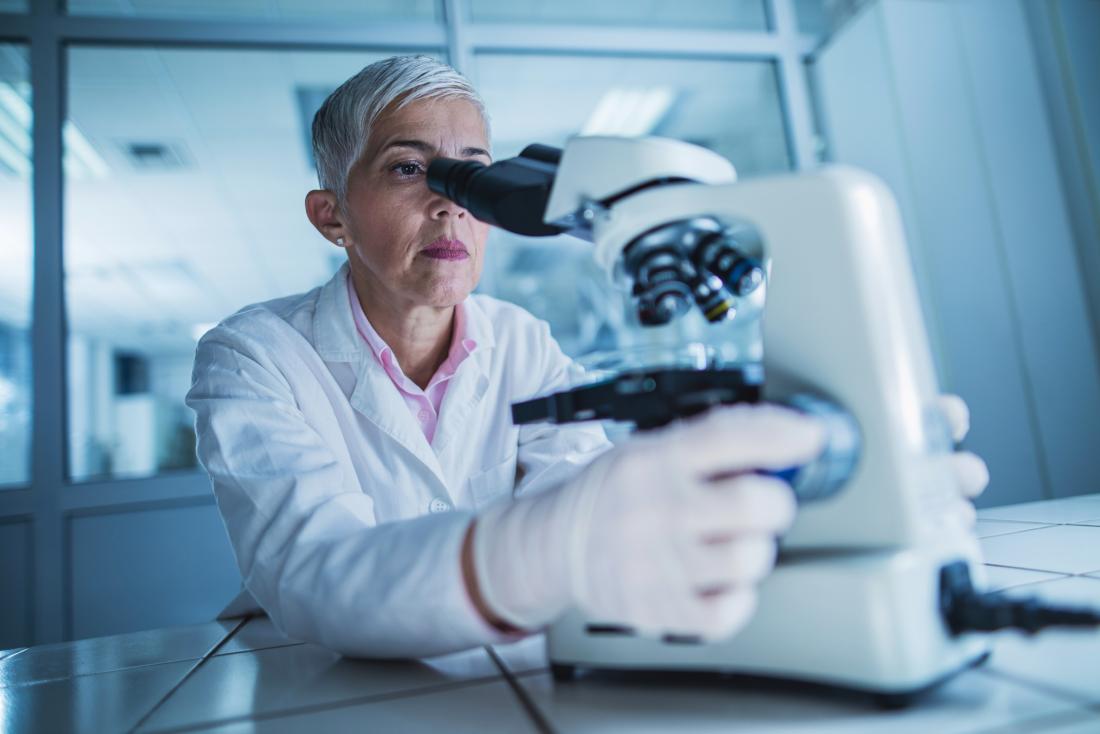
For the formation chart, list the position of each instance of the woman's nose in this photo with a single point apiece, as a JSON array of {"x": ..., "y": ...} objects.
[{"x": 443, "y": 207}]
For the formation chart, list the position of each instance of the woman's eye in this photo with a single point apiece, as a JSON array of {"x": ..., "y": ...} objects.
[{"x": 410, "y": 168}]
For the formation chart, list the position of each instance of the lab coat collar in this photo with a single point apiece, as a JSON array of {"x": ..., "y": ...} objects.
[
  {"x": 334, "y": 334},
  {"x": 377, "y": 399},
  {"x": 478, "y": 326}
]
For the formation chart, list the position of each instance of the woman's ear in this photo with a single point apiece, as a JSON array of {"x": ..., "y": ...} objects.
[{"x": 324, "y": 214}]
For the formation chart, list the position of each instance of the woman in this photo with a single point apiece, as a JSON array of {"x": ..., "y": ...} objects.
[{"x": 379, "y": 500}]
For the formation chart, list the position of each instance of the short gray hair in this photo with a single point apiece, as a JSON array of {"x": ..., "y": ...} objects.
[{"x": 343, "y": 123}]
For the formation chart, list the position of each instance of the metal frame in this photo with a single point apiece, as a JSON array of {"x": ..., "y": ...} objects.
[{"x": 51, "y": 500}]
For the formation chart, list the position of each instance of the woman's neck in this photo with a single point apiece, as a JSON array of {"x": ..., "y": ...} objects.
[{"x": 420, "y": 336}]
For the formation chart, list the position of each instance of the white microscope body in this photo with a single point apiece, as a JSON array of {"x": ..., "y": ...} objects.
[{"x": 854, "y": 600}]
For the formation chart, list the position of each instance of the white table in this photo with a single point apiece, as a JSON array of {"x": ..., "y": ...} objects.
[{"x": 243, "y": 677}]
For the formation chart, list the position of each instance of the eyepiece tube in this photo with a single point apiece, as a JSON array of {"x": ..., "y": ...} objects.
[
  {"x": 451, "y": 179},
  {"x": 511, "y": 194}
]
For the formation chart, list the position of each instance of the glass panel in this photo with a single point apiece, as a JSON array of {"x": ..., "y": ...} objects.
[
  {"x": 185, "y": 176},
  {"x": 746, "y": 15},
  {"x": 731, "y": 107},
  {"x": 15, "y": 265},
  {"x": 813, "y": 18},
  {"x": 262, "y": 9}
]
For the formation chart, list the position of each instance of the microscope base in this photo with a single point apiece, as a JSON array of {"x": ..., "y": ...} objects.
[{"x": 866, "y": 621}]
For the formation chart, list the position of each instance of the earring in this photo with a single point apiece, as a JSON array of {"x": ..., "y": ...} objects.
[{"x": 339, "y": 241}]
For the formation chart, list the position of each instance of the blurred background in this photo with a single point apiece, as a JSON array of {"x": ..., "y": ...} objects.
[{"x": 154, "y": 156}]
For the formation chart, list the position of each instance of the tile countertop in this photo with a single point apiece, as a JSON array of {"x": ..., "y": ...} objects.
[{"x": 239, "y": 676}]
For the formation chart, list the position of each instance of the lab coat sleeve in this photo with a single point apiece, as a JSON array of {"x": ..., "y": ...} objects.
[
  {"x": 550, "y": 454},
  {"x": 304, "y": 532}
]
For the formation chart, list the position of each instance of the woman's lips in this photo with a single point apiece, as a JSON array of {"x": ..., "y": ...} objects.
[{"x": 445, "y": 249}]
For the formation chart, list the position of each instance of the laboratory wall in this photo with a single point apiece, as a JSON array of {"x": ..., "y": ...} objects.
[
  {"x": 945, "y": 100},
  {"x": 1064, "y": 33}
]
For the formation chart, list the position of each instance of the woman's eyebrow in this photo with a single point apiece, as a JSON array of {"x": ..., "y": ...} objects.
[
  {"x": 425, "y": 147},
  {"x": 417, "y": 144}
]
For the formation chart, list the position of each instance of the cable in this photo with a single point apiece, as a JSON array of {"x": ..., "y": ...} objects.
[{"x": 965, "y": 609}]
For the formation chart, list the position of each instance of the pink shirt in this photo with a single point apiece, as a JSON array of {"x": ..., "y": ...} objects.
[{"x": 423, "y": 404}]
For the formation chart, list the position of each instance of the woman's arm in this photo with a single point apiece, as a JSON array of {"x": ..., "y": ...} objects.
[{"x": 304, "y": 532}]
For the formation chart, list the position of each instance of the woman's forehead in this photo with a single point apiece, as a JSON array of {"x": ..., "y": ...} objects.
[{"x": 449, "y": 122}]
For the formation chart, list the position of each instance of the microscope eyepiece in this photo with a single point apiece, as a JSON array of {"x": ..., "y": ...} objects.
[
  {"x": 511, "y": 194},
  {"x": 451, "y": 178}
]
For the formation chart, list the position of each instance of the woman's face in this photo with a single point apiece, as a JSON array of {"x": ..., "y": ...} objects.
[{"x": 406, "y": 241}]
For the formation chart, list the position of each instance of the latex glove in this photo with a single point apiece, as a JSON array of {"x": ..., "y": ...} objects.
[
  {"x": 971, "y": 472},
  {"x": 647, "y": 536}
]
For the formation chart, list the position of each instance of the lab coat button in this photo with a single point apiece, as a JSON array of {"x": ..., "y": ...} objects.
[{"x": 438, "y": 505}]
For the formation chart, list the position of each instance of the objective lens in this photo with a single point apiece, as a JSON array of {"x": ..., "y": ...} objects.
[
  {"x": 719, "y": 255},
  {"x": 668, "y": 275},
  {"x": 660, "y": 288},
  {"x": 712, "y": 296}
]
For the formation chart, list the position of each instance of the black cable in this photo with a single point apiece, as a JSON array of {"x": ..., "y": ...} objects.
[{"x": 965, "y": 609}]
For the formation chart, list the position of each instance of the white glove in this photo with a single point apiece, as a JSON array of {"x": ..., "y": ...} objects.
[
  {"x": 971, "y": 473},
  {"x": 659, "y": 534}
]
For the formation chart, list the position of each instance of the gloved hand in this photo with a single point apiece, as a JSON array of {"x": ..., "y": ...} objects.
[
  {"x": 970, "y": 471},
  {"x": 656, "y": 534}
]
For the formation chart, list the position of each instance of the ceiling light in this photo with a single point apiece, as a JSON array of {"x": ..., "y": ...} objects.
[
  {"x": 81, "y": 158},
  {"x": 629, "y": 111}
]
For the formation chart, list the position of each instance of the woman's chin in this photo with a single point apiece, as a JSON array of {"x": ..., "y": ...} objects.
[{"x": 448, "y": 293}]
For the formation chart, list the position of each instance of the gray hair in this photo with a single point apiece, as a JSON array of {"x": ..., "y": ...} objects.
[{"x": 343, "y": 123}]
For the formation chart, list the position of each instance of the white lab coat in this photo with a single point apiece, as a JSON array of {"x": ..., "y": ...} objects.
[{"x": 346, "y": 523}]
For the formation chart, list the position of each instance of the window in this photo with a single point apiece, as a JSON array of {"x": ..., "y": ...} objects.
[
  {"x": 813, "y": 16},
  {"x": 15, "y": 265},
  {"x": 746, "y": 15},
  {"x": 185, "y": 176}
]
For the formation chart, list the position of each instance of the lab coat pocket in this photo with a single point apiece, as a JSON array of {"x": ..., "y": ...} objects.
[{"x": 493, "y": 484}]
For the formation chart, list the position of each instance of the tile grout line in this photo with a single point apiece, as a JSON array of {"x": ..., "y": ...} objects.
[
  {"x": 1086, "y": 702},
  {"x": 1014, "y": 532},
  {"x": 1047, "y": 721},
  {"x": 198, "y": 664},
  {"x": 1068, "y": 574},
  {"x": 537, "y": 717},
  {"x": 141, "y": 666},
  {"x": 262, "y": 649},
  {"x": 327, "y": 706}
]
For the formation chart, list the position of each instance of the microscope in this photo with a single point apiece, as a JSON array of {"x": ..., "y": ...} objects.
[{"x": 878, "y": 583}]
